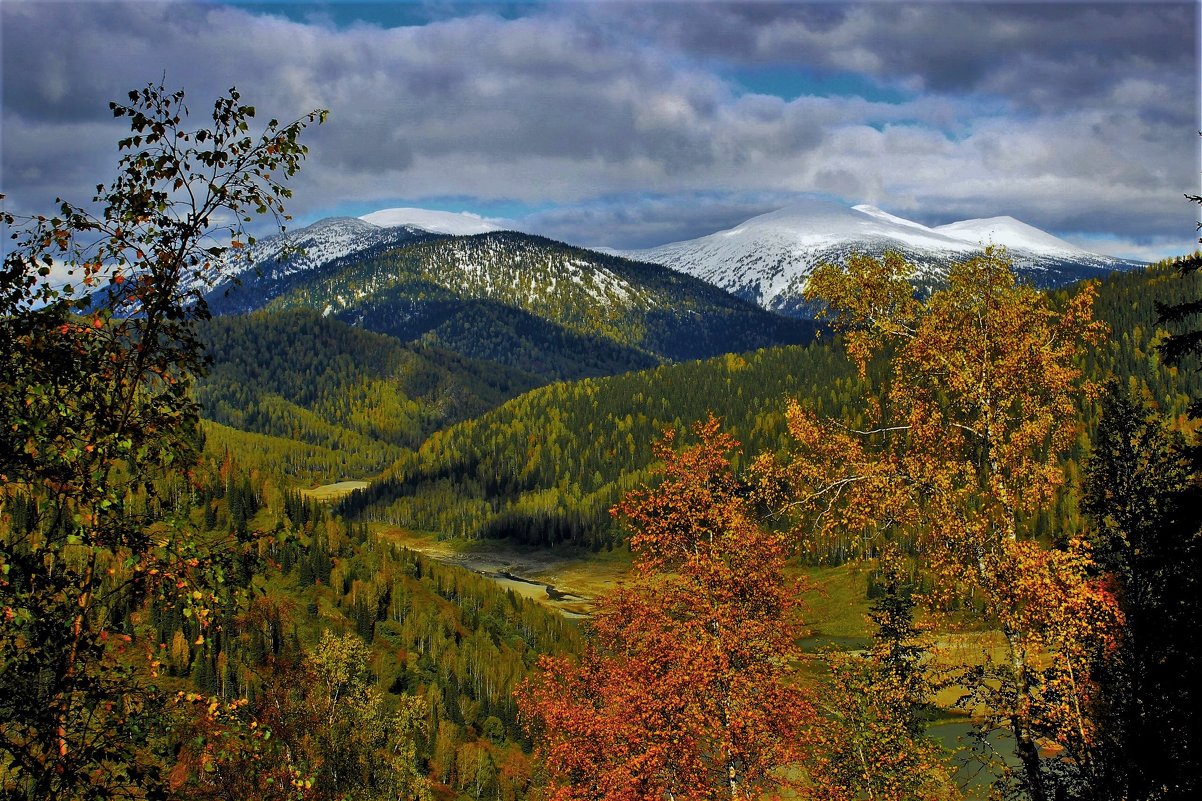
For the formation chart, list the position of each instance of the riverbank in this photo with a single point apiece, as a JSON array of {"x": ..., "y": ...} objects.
[{"x": 563, "y": 579}]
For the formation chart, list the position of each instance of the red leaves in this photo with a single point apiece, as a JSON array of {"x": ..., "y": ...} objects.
[
  {"x": 686, "y": 688},
  {"x": 686, "y": 514}
]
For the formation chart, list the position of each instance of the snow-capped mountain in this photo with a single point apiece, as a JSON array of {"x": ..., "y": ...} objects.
[
  {"x": 335, "y": 238},
  {"x": 323, "y": 242},
  {"x": 769, "y": 258},
  {"x": 414, "y": 289},
  {"x": 274, "y": 264},
  {"x": 1014, "y": 234},
  {"x": 436, "y": 222}
]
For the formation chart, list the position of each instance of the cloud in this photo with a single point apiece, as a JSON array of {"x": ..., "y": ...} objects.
[
  {"x": 628, "y": 119},
  {"x": 638, "y": 221},
  {"x": 1044, "y": 56}
]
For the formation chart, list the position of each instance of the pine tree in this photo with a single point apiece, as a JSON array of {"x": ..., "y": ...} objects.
[
  {"x": 1182, "y": 343},
  {"x": 1141, "y": 498}
]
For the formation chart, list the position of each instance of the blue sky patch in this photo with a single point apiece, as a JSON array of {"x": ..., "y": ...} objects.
[{"x": 790, "y": 83}]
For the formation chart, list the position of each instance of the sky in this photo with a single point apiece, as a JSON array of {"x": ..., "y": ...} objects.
[{"x": 635, "y": 124}]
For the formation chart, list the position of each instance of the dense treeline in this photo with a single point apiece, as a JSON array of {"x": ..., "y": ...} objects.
[
  {"x": 1128, "y": 303},
  {"x": 444, "y": 635},
  {"x": 454, "y": 641},
  {"x": 301, "y": 462},
  {"x": 310, "y": 379},
  {"x": 496, "y": 332},
  {"x": 546, "y": 467}
]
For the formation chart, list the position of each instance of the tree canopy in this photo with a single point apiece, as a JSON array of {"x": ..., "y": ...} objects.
[
  {"x": 686, "y": 690},
  {"x": 962, "y": 448},
  {"x": 94, "y": 392}
]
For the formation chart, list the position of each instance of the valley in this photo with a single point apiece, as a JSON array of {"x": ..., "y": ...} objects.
[
  {"x": 515, "y": 483},
  {"x": 593, "y": 401},
  {"x": 429, "y": 441},
  {"x": 565, "y": 582},
  {"x": 473, "y": 450}
]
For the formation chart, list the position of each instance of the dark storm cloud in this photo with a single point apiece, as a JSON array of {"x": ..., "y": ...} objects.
[
  {"x": 539, "y": 94},
  {"x": 510, "y": 90}
]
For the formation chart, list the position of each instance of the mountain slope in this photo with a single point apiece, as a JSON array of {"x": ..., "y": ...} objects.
[
  {"x": 274, "y": 265},
  {"x": 333, "y": 238},
  {"x": 529, "y": 302},
  {"x": 768, "y": 259},
  {"x": 546, "y": 467},
  {"x": 299, "y": 376}
]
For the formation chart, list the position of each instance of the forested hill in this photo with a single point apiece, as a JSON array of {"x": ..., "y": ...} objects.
[
  {"x": 416, "y": 629},
  {"x": 545, "y": 467},
  {"x": 531, "y": 303},
  {"x": 280, "y": 262},
  {"x": 1128, "y": 304},
  {"x": 315, "y": 386}
]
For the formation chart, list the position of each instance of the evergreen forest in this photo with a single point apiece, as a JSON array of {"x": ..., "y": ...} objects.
[{"x": 941, "y": 544}]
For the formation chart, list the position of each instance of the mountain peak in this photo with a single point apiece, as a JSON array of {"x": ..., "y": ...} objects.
[
  {"x": 768, "y": 259},
  {"x": 437, "y": 222},
  {"x": 1014, "y": 234}
]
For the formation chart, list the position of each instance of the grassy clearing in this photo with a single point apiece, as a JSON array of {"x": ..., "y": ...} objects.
[
  {"x": 332, "y": 492},
  {"x": 575, "y": 576},
  {"x": 835, "y": 605}
]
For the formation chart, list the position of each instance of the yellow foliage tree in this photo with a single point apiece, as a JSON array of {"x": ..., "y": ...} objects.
[{"x": 963, "y": 445}]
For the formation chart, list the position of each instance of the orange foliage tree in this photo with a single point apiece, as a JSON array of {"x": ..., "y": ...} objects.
[
  {"x": 963, "y": 445},
  {"x": 685, "y": 690}
]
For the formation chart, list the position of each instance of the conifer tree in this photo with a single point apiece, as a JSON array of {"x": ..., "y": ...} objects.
[
  {"x": 1139, "y": 494},
  {"x": 1181, "y": 343}
]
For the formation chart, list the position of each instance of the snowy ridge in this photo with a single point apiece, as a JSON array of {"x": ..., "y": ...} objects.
[
  {"x": 320, "y": 243},
  {"x": 1014, "y": 234},
  {"x": 334, "y": 238},
  {"x": 266, "y": 269},
  {"x": 769, "y": 258},
  {"x": 436, "y": 222}
]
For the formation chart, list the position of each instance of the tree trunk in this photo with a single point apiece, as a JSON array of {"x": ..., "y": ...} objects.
[{"x": 1025, "y": 746}]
